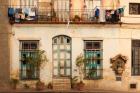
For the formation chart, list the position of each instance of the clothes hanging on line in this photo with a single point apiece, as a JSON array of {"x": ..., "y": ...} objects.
[
  {"x": 32, "y": 12},
  {"x": 102, "y": 15},
  {"x": 25, "y": 11},
  {"x": 22, "y": 14},
  {"x": 11, "y": 12},
  {"x": 97, "y": 12}
]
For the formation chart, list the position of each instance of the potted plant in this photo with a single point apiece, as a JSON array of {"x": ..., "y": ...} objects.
[
  {"x": 76, "y": 18},
  {"x": 37, "y": 61},
  {"x": 74, "y": 81},
  {"x": 80, "y": 85},
  {"x": 26, "y": 86},
  {"x": 80, "y": 60},
  {"x": 14, "y": 82},
  {"x": 50, "y": 86},
  {"x": 40, "y": 85}
]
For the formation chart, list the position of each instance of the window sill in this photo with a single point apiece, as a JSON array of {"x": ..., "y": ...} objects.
[
  {"x": 34, "y": 79},
  {"x": 98, "y": 78}
]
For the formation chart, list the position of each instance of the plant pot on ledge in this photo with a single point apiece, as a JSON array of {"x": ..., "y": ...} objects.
[
  {"x": 80, "y": 85},
  {"x": 40, "y": 85},
  {"x": 76, "y": 18},
  {"x": 14, "y": 83}
]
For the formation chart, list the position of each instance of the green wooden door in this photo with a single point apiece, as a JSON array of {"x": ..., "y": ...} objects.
[{"x": 61, "y": 56}]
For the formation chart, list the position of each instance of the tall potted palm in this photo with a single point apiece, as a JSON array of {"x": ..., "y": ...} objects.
[{"x": 80, "y": 60}]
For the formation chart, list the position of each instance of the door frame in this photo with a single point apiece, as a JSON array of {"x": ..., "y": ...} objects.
[{"x": 70, "y": 58}]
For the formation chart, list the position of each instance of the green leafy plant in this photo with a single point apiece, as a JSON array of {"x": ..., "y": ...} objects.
[
  {"x": 37, "y": 60},
  {"x": 80, "y": 61},
  {"x": 92, "y": 73}
]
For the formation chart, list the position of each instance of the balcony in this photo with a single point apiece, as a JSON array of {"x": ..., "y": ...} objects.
[{"x": 35, "y": 15}]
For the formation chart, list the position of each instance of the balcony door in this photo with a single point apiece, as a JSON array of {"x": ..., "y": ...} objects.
[{"x": 61, "y": 56}]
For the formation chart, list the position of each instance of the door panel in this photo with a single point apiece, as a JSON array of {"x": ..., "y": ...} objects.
[{"x": 62, "y": 56}]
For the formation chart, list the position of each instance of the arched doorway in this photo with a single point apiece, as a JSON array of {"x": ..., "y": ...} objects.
[{"x": 61, "y": 56}]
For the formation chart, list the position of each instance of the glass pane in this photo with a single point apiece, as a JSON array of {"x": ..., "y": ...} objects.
[
  {"x": 62, "y": 71},
  {"x": 62, "y": 63},
  {"x": 55, "y": 47},
  {"x": 25, "y": 45},
  {"x": 56, "y": 72},
  {"x": 68, "y": 47},
  {"x": 98, "y": 73},
  {"x": 67, "y": 71},
  {"x": 23, "y": 73},
  {"x": 62, "y": 55},
  {"x": 55, "y": 56},
  {"x": 88, "y": 45},
  {"x": 68, "y": 64},
  {"x": 62, "y": 47},
  {"x": 97, "y": 54},
  {"x": 68, "y": 40},
  {"x": 33, "y": 45},
  {"x": 96, "y": 45},
  {"x": 55, "y": 41},
  {"x": 55, "y": 63},
  {"x": 67, "y": 55},
  {"x": 61, "y": 40}
]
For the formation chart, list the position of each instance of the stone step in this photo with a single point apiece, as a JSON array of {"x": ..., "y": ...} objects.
[
  {"x": 58, "y": 80},
  {"x": 61, "y": 84},
  {"x": 68, "y": 82}
]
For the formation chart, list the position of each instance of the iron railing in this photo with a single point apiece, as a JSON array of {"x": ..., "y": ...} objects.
[{"x": 37, "y": 15}]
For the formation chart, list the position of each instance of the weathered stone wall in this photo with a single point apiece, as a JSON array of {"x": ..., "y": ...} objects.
[{"x": 4, "y": 45}]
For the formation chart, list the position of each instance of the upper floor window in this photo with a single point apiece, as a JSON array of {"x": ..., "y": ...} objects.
[
  {"x": 28, "y": 50},
  {"x": 134, "y": 8},
  {"x": 94, "y": 55}
]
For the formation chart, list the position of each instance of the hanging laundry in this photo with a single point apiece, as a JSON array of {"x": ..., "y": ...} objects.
[
  {"x": 17, "y": 17},
  {"x": 121, "y": 10},
  {"x": 11, "y": 12},
  {"x": 97, "y": 12},
  {"x": 108, "y": 15},
  {"x": 32, "y": 12},
  {"x": 25, "y": 11},
  {"x": 102, "y": 15}
]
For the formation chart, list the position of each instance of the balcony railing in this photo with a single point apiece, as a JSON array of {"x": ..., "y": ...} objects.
[{"x": 37, "y": 15}]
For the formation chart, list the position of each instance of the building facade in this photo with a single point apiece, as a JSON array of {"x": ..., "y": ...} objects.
[
  {"x": 106, "y": 33},
  {"x": 5, "y": 29}
]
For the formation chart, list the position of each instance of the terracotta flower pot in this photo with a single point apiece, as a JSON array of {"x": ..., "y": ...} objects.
[
  {"x": 40, "y": 86},
  {"x": 80, "y": 85}
]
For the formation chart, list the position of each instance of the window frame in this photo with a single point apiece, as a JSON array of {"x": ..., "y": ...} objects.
[
  {"x": 100, "y": 70},
  {"x": 29, "y": 52},
  {"x": 138, "y": 10},
  {"x": 137, "y": 64}
]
